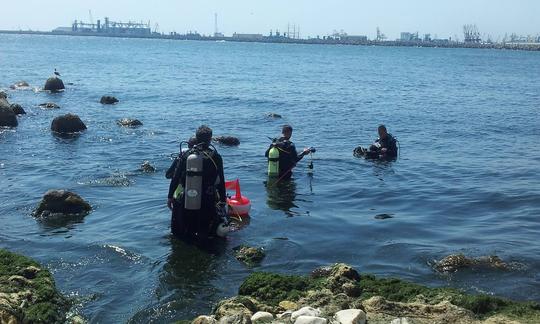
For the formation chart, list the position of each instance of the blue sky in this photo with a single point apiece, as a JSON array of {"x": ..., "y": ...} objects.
[{"x": 441, "y": 18}]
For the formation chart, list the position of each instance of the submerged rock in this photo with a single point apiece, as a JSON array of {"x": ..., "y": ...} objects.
[
  {"x": 20, "y": 84},
  {"x": 18, "y": 109},
  {"x": 227, "y": 140},
  {"x": 273, "y": 115},
  {"x": 62, "y": 202},
  {"x": 128, "y": 122},
  {"x": 147, "y": 167},
  {"x": 49, "y": 105},
  {"x": 27, "y": 292},
  {"x": 67, "y": 124},
  {"x": 108, "y": 100},
  {"x": 3, "y": 95},
  {"x": 455, "y": 262},
  {"x": 249, "y": 255},
  {"x": 54, "y": 84},
  {"x": 7, "y": 116}
]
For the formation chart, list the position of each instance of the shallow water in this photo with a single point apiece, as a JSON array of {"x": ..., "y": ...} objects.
[{"x": 466, "y": 182}]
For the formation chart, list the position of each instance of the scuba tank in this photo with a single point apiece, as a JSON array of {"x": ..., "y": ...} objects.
[
  {"x": 193, "y": 187},
  {"x": 273, "y": 161}
]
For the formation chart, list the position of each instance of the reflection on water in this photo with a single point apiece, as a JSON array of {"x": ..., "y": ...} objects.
[{"x": 281, "y": 195}]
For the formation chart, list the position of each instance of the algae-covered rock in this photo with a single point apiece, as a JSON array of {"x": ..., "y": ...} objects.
[
  {"x": 49, "y": 105},
  {"x": 203, "y": 319},
  {"x": 271, "y": 288},
  {"x": 288, "y": 305},
  {"x": 147, "y": 167},
  {"x": 108, "y": 100},
  {"x": 251, "y": 256},
  {"x": 128, "y": 122},
  {"x": 54, "y": 84},
  {"x": 235, "y": 310},
  {"x": 28, "y": 299},
  {"x": 62, "y": 202},
  {"x": 455, "y": 262}
]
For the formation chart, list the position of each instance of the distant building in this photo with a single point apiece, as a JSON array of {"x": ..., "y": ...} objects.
[
  {"x": 355, "y": 38},
  {"x": 248, "y": 36},
  {"x": 62, "y": 30},
  {"x": 409, "y": 37}
]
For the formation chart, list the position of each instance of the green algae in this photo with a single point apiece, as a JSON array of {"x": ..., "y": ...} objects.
[
  {"x": 46, "y": 305},
  {"x": 271, "y": 288}
]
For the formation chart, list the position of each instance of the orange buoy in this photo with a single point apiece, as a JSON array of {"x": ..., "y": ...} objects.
[{"x": 238, "y": 205}]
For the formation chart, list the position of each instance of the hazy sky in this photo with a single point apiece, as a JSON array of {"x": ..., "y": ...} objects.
[{"x": 443, "y": 18}]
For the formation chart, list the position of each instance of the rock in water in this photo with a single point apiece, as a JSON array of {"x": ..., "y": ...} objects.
[
  {"x": 7, "y": 116},
  {"x": 62, "y": 202},
  {"x": 108, "y": 100},
  {"x": 128, "y": 122},
  {"x": 227, "y": 140},
  {"x": 147, "y": 167},
  {"x": 249, "y": 255},
  {"x": 17, "y": 109},
  {"x": 273, "y": 115},
  {"x": 20, "y": 84},
  {"x": 54, "y": 84},
  {"x": 3, "y": 95},
  {"x": 49, "y": 105},
  {"x": 27, "y": 292},
  {"x": 67, "y": 124}
]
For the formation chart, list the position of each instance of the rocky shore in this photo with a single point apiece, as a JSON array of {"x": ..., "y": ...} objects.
[
  {"x": 28, "y": 293},
  {"x": 339, "y": 294}
]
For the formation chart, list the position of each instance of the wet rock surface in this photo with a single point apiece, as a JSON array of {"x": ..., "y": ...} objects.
[
  {"x": 108, "y": 100},
  {"x": 17, "y": 109},
  {"x": 67, "y": 124},
  {"x": 54, "y": 84},
  {"x": 250, "y": 256},
  {"x": 28, "y": 293},
  {"x": 61, "y": 202},
  {"x": 227, "y": 140},
  {"x": 49, "y": 105},
  {"x": 273, "y": 115},
  {"x": 128, "y": 122}
]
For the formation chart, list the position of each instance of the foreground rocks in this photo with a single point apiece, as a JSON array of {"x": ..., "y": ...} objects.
[
  {"x": 128, "y": 122},
  {"x": 28, "y": 293},
  {"x": 67, "y": 124},
  {"x": 7, "y": 116},
  {"x": 54, "y": 84},
  {"x": 20, "y": 84},
  {"x": 108, "y": 100},
  {"x": 227, "y": 140},
  {"x": 340, "y": 295},
  {"x": 61, "y": 202}
]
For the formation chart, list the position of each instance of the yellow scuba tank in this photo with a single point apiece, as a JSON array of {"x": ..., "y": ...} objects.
[{"x": 273, "y": 162}]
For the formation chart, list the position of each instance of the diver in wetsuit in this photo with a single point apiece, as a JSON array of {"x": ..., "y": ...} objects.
[
  {"x": 288, "y": 157},
  {"x": 384, "y": 148},
  {"x": 200, "y": 172}
]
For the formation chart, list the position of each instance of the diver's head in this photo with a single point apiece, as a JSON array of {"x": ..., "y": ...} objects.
[
  {"x": 286, "y": 131},
  {"x": 203, "y": 134},
  {"x": 382, "y": 131}
]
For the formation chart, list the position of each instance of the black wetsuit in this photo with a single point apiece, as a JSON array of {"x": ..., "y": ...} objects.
[
  {"x": 288, "y": 157},
  {"x": 389, "y": 143},
  {"x": 201, "y": 223}
]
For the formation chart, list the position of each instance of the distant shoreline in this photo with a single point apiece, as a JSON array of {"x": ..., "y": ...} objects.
[{"x": 283, "y": 40}]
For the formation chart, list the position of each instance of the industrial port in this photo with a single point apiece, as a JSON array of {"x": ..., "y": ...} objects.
[{"x": 472, "y": 38}]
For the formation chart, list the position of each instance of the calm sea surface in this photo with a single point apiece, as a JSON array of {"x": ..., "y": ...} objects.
[{"x": 467, "y": 181}]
